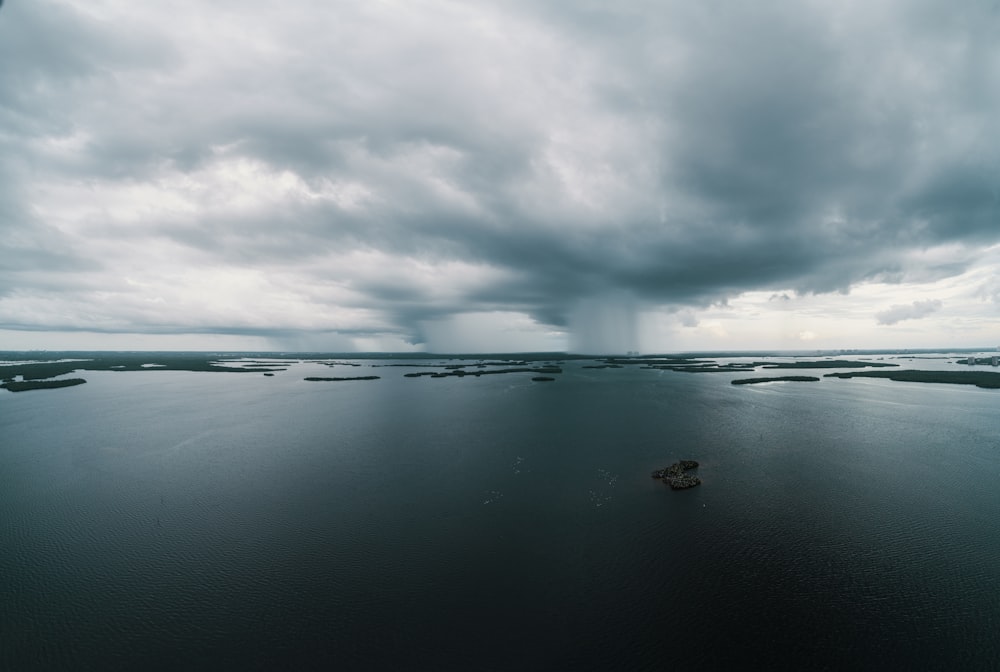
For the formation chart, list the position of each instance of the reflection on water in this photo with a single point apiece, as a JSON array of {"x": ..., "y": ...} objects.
[{"x": 210, "y": 520}]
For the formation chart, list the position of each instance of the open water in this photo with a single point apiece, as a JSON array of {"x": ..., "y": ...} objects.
[{"x": 180, "y": 520}]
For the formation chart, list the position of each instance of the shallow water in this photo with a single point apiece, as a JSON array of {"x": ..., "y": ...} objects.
[{"x": 163, "y": 519}]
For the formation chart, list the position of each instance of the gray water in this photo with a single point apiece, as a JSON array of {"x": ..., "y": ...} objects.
[{"x": 180, "y": 520}]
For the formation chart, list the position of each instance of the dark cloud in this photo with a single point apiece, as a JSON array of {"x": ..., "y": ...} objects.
[{"x": 543, "y": 158}]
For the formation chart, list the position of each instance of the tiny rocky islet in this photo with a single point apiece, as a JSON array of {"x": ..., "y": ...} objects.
[{"x": 676, "y": 475}]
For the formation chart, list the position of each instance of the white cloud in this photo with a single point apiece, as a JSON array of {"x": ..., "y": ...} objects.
[{"x": 913, "y": 311}]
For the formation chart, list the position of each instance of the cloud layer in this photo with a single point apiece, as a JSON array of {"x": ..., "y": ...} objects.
[
  {"x": 913, "y": 311},
  {"x": 374, "y": 172}
]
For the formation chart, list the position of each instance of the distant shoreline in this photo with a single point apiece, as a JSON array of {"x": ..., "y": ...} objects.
[{"x": 37, "y": 371}]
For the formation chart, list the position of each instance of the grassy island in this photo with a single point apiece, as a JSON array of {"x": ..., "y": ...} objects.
[
  {"x": 775, "y": 379},
  {"x": 985, "y": 379},
  {"x": 461, "y": 373},
  {"x": 62, "y": 363},
  {"x": 704, "y": 368},
  {"x": 317, "y": 379},
  {"x": 25, "y": 385},
  {"x": 822, "y": 364}
]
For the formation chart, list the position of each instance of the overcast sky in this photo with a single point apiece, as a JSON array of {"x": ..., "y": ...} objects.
[{"x": 499, "y": 175}]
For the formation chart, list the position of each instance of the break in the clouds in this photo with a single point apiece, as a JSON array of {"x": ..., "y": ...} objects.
[{"x": 498, "y": 175}]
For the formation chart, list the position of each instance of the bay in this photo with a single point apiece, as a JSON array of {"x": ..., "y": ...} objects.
[{"x": 183, "y": 520}]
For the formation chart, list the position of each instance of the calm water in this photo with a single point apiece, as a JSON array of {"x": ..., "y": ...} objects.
[{"x": 173, "y": 520}]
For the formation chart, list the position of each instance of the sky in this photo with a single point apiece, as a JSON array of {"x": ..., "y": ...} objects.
[{"x": 504, "y": 175}]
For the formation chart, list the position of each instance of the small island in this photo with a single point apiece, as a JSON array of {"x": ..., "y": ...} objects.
[
  {"x": 461, "y": 373},
  {"x": 543, "y": 379},
  {"x": 316, "y": 379},
  {"x": 676, "y": 477},
  {"x": 984, "y": 379},
  {"x": 823, "y": 364},
  {"x": 704, "y": 368},
  {"x": 775, "y": 379},
  {"x": 25, "y": 385}
]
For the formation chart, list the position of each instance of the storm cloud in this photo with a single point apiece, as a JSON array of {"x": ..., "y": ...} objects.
[{"x": 386, "y": 173}]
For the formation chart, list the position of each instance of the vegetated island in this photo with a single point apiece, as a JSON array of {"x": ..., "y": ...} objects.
[
  {"x": 318, "y": 379},
  {"x": 704, "y": 368},
  {"x": 25, "y": 385},
  {"x": 985, "y": 379},
  {"x": 61, "y": 363},
  {"x": 674, "y": 364},
  {"x": 653, "y": 361},
  {"x": 709, "y": 366},
  {"x": 543, "y": 379},
  {"x": 822, "y": 364},
  {"x": 775, "y": 379},
  {"x": 478, "y": 364},
  {"x": 676, "y": 477},
  {"x": 333, "y": 363},
  {"x": 460, "y": 373}
]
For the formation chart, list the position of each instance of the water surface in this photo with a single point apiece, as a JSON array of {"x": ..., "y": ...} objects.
[{"x": 169, "y": 519}]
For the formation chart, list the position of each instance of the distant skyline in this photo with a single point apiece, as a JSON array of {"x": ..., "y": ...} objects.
[{"x": 499, "y": 176}]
